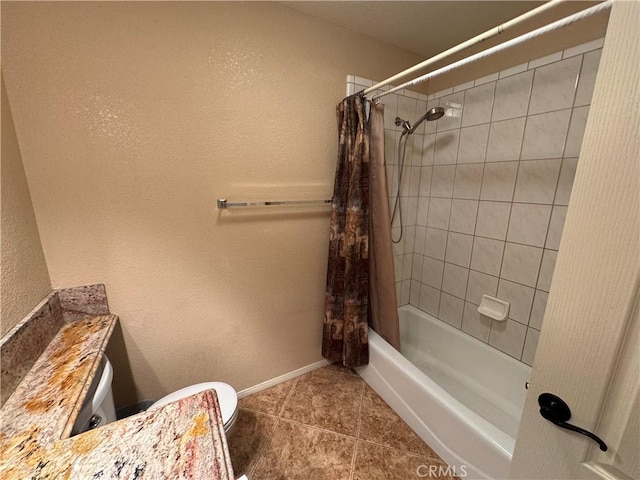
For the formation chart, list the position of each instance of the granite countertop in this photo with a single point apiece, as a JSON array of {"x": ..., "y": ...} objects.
[{"x": 184, "y": 439}]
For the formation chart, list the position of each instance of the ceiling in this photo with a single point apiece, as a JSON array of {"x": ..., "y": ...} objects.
[{"x": 422, "y": 27}]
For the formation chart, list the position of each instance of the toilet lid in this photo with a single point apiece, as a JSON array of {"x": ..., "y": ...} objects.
[{"x": 227, "y": 397}]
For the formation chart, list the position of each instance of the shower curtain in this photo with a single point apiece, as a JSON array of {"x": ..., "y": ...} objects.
[
  {"x": 344, "y": 336},
  {"x": 384, "y": 310},
  {"x": 360, "y": 265}
]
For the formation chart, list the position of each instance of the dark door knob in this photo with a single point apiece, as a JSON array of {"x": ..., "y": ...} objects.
[{"x": 554, "y": 409}]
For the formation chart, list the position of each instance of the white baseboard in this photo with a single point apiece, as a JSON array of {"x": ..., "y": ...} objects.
[{"x": 281, "y": 378}]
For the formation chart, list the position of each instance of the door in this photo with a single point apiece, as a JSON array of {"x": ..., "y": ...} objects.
[{"x": 588, "y": 348}]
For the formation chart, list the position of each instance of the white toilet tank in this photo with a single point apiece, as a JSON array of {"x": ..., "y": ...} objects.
[{"x": 98, "y": 408}]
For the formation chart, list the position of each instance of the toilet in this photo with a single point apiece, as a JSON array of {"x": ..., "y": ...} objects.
[
  {"x": 98, "y": 408},
  {"x": 227, "y": 398}
]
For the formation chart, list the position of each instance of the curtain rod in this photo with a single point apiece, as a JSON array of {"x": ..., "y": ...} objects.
[
  {"x": 563, "y": 22},
  {"x": 468, "y": 43}
]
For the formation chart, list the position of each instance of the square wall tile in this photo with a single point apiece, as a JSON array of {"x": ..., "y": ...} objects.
[
  {"x": 507, "y": 72},
  {"x": 551, "y": 58},
  {"x": 429, "y": 300},
  {"x": 468, "y": 181},
  {"x": 455, "y": 279},
  {"x": 475, "y": 324},
  {"x": 417, "y": 149},
  {"x": 539, "y": 307},
  {"x": 407, "y": 263},
  {"x": 426, "y": 174},
  {"x": 428, "y": 149},
  {"x": 587, "y": 80},
  {"x": 459, "y": 248},
  {"x": 545, "y": 134},
  {"x": 409, "y": 237},
  {"x": 498, "y": 181},
  {"x": 493, "y": 219},
  {"x": 421, "y": 234},
  {"x": 422, "y": 212},
  {"x": 576, "y": 131},
  {"x": 452, "y": 105},
  {"x": 505, "y": 140},
  {"x": 463, "y": 86},
  {"x": 472, "y": 147},
  {"x": 492, "y": 77},
  {"x": 486, "y": 256},
  {"x": 480, "y": 284},
  {"x": 521, "y": 264},
  {"x": 546, "y": 269},
  {"x": 406, "y": 108},
  {"x": 409, "y": 210},
  {"x": 416, "y": 268},
  {"x": 519, "y": 297},
  {"x": 432, "y": 272},
  {"x": 446, "y": 147},
  {"x": 508, "y": 337},
  {"x": 398, "y": 247},
  {"x": 512, "y": 96},
  {"x": 583, "y": 48},
  {"x": 530, "y": 346},
  {"x": 439, "y": 211},
  {"x": 442, "y": 181},
  {"x": 537, "y": 181},
  {"x": 414, "y": 295},
  {"x": 554, "y": 86},
  {"x": 414, "y": 181},
  {"x": 555, "y": 228},
  {"x": 478, "y": 103},
  {"x": 451, "y": 309},
  {"x": 565, "y": 183},
  {"x": 436, "y": 243},
  {"x": 405, "y": 180},
  {"x": 405, "y": 291},
  {"x": 528, "y": 224},
  {"x": 463, "y": 216}
]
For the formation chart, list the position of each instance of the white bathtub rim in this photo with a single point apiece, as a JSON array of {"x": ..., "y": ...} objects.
[
  {"x": 487, "y": 431},
  {"x": 449, "y": 456}
]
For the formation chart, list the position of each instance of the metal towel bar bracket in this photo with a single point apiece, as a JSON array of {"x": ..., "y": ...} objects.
[{"x": 223, "y": 203}]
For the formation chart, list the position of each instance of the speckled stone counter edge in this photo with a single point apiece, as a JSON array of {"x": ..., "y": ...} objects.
[
  {"x": 82, "y": 302},
  {"x": 21, "y": 347}
]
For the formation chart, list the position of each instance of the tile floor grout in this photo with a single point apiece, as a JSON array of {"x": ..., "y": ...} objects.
[{"x": 309, "y": 442}]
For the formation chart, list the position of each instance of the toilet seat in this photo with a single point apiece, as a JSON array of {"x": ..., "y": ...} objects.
[{"x": 227, "y": 398}]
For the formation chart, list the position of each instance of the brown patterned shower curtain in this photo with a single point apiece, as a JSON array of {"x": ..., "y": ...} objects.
[{"x": 346, "y": 303}]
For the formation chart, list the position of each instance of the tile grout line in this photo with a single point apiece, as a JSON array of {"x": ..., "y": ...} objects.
[
  {"x": 289, "y": 395},
  {"x": 513, "y": 194},
  {"x": 273, "y": 429},
  {"x": 263, "y": 449},
  {"x": 355, "y": 446}
]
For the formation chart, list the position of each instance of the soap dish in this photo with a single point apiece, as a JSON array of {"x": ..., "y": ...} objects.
[{"x": 494, "y": 308}]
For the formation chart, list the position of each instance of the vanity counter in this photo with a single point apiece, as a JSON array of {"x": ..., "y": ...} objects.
[{"x": 184, "y": 439}]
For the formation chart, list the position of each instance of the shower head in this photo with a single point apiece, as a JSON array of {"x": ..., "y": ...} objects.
[{"x": 432, "y": 114}]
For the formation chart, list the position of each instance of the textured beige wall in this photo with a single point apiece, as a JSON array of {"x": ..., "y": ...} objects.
[
  {"x": 25, "y": 279},
  {"x": 133, "y": 118}
]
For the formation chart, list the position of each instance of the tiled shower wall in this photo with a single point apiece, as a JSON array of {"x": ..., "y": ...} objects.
[{"x": 485, "y": 191}]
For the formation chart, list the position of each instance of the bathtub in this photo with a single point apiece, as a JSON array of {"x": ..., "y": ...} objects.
[{"x": 461, "y": 396}]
